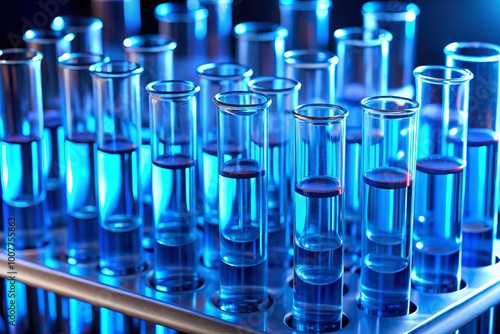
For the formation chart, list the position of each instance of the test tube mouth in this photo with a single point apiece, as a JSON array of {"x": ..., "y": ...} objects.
[
  {"x": 319, "y": 113},
  {"x": 46, "y": 36},
  {"x": 17, "y": 56},
  {"x": 473, "y": 51},
  {"x": 273, "y": 85},
  {"x": 310, "y": 58},
  {"x": 445, "y": 75},
  {"x": 81, "y": 60},
  {"x": 306, "y": 4},
  {"x": 360, "y": 36},
  {"x": 168, "y": 89},
  {"x": 259, "y": 31},
  {"x": 391, "y": 10},
  {"x": 149, "y": 43},
  {"x": 241, "y": 103},
  {"x": 224, "y": 71},
  {"x": 389, "y": 106},
  {"x": 179, "y": 12},
  {"x": 76, "y": 23},
  {"x": 115, "y": 69}
]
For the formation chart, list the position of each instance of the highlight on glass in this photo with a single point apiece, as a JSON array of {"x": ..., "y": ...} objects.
[
  {"x": 242, "y": 153},
  {"x": 219, "y": 30},
  {"x": 319, "y": 217},
  {"x": 214, "y": 78},
  {"x": 118, "y": 178},
  {"x": 389, "y": 162},
  {"x": 79, "y": 124},
  {"x": 284, "y": 96},
  {"x": 86, "y": 29},
  {"x": 21, "y": 120},
  {"x": 400, "y": 18},
  {"x": 173, "y": 154},
  {"x": 154, "y": 53},
  {"x": 481, "y": 175},
  {"x": 443, "y": 95},
  {"x": 315, "y": 70}
]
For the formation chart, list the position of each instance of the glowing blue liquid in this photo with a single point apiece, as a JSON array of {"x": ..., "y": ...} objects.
[
  {"x": 387, "y": 221},
  {"x": 82, "y": 317},
  {"x": 480, "y": 207},
  {"x": 175, "y": 221},
  {"x": 121, "y": 232},
  {"x": 146, "y": 167},
  {"x": 436, "y": 264},
  {"x": 243, "y": 230}
]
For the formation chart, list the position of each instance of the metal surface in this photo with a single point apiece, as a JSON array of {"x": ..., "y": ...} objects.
[{"x": 195, "y": 312}]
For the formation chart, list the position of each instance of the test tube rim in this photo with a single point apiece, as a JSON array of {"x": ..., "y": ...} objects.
[
  {"x": 165, "y": 43},
  {"x": 380, "y": 36},
  {"x": 80, "y": 23},
  {"x": 36, "y": 56},
  {"x": 241, "y": 109},
  {"x": 306, "y": 4},
  {"x": 329, "y": 59},
  {"x": 169, "y": 94},
  {"x": 95, "y": 69},
  {"x": 419, "y": 71},
  {"x": 272, "y": 31},
  {"x": 390, "y": 113},
  {"x": 294, "y": 85},
  {"x": 64, "y": 60},
  {"x": 186, "y": 14},
  {"x": 47, "y": 36},
  {"x": 450, "y": 51},
  {"x": 320, "y": 120},
  {"x": 383, "y": 8},
  {"x": 246, "y": 72}
]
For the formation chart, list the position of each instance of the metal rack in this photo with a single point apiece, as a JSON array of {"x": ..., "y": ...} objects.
[{"x": 196, "y": 311}]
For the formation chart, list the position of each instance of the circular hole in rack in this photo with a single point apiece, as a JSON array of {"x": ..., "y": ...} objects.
[
  {"x": 144, "y": 266},
  {"x": 345, "y": 288},
  {"x": 413, "y": 308},
  {"x": 195, "y": 286},
  {"x": 288, "y": 320},
  {"x": 260, "y": 308},
  {"x": 463, "y": 285}
]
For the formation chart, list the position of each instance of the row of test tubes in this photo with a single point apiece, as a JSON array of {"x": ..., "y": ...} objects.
[{"x": 148, "y": 149}]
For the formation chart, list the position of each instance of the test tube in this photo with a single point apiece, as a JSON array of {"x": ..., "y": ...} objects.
[
  {"x": 219, "y": 29},
  {"x": 187, "y": 25},
  {"x": 79, "y": 153},
  {"x": 481, "y": 174},
  {"x": 173, "y": 153},
  {"x": 443, "y": 95},
  {"x": 155, "y": 54},
  {"x": 389, "y": 162},
  {"x": 284, "y": 96},
  {"x": 315, "y": 70},
  {"x": 51, "y": 44},
  {"x": 21, "y": 121},
  {"x": 260, "y": 46},
  {"x": 214, "y": 78},
  {"x": 400, "y": 18},
  {"x": 362, "y": 71},
  {"x": 242, "y": 151},
  {"x": 87, "y": 31},
  {"x": 308, "y": 23},
  {"x": 319, "y": 217},
  {"x": 118, "y": 179}
]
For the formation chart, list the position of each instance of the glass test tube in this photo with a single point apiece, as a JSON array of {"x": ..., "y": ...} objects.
[
  {"x": 242, "y": 152},
  {"x": 173, "y": 153},
  {"x": 481, "y": 174},
  {"x": 308, "y": 23},
  {"x": 187, "y": 25},
  {"x": 21, "y": 121},
  {"x": 362, "y": 71},
  {"x": 443, "y": 95},
  {"x": 51, "y": 44},
  {"x": 260, "y": 46},
  {"x": 389, "y": 161},
  {"x": 214, "y": 78},
  {"x": 155, "y": 54},
  {"x": 400, "y": 19},
  {"x": 219, "y": 29},
  {"x": 118, "y": 178},
  {"x": 315, "y": 70},
  {"x": 284, "y": 95},
  {"x": 79, "y": 123},
  {"x": 319, "y": 217},
  {"x": 86, "y": 29}
]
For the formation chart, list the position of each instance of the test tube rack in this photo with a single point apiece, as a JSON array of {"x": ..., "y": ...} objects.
[{"x": 196, "y": 311}]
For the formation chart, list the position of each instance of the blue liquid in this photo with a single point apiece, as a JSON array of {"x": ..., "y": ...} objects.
[
  {"x": 83, "y": 317},
  {"x": 146, "y": 167},
  {"x": 121, "y": 232},
  {"x": 23, "y": 190},
  {"x": 82, "y": 224},
  {"x": 480, "y": 196},
  {"x": 387, "y": 222},
  {"x": 175, "y": 221},
  {"x": 438, "y": 222},
  {"x": 353, "y": 189},
  {"x": 243, "y": 233}
]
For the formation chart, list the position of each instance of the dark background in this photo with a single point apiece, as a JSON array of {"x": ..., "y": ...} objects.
[{"x": 440, "y": 21}]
